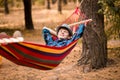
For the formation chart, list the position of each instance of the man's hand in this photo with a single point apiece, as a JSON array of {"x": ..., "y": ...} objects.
[
  {"x": 51, "y": 31},
  {"x": 81, "y": 22},
  {"x": 87, "y": 22}
]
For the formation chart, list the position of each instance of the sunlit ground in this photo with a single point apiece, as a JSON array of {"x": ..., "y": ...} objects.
[{"x": 66, "y": 70}]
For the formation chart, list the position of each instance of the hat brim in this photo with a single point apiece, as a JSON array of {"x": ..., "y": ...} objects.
[{"x": 68, "y": 29}]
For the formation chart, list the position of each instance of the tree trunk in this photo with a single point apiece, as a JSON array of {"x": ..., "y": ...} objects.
[
  {"x": 94, "y": 39},
  {"x": 6, "y": 6},
  {"x": 12, "y": 3},
  {"x": 65, "y": 2},
  {"x": 54, "y": 1},
  {"x": 48, "y": 4},
  {"x": 28, "y": 15},
  {"x": 60, "y": 6}
]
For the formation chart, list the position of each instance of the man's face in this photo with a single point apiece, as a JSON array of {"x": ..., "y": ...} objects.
[{"x": 63, "y": 34}]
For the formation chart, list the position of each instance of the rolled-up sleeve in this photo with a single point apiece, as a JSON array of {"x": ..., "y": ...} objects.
[
  {"x": 47, "y": 36},
  {"x": 78, "y": 34}
]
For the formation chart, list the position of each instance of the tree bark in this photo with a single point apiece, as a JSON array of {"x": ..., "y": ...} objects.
[
  {"x": 65, "y": 2},
  {"x": 60, "y": 6},
  {"x": 28, "y": 15},
  {"x": 94, "y": 39},
  {"x": 6, "y": 6},
  {"x": 48, "y": 4},
  {"x": 54, "y": 1}
]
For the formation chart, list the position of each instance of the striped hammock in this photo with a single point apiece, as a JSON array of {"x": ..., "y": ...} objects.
[{"x": 36, "y": 55}]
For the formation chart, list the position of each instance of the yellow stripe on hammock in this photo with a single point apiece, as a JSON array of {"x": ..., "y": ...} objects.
[
  {"x": 30, "y": 62},
  {"x": 9, "y": 51},
  {"x": 47, "y": 49},
  {"x": 51, "y": 67}
]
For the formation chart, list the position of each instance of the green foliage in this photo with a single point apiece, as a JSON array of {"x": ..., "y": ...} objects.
[
  {"x": 11, "y": 3},
  {"x": 40, "y": 2},
  {"x": 1, "y": 3},
  {"x": 111, "y": 10}
]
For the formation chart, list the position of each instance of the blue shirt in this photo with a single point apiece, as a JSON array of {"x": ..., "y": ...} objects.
[{"x": 62, "y": 42}]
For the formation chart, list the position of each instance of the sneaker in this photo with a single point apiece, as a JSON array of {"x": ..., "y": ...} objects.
[
  {"x": 17, "y": 34},
  {"x": 3, "y": 33}
]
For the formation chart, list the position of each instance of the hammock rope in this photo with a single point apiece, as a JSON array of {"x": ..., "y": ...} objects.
[{"x": 36, "y": 55}]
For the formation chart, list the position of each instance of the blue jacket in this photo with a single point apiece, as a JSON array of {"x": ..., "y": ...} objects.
[{"x": 62, "y": 42}]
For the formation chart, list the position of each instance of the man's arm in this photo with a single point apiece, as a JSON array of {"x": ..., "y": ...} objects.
[
  {"x": 51, "y": 31},
  {"x": 78, "y": 34},
  {"x": 47, "y": 36}
]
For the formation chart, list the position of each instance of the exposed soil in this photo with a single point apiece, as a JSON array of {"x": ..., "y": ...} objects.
[{"x": 67, "y": 70}]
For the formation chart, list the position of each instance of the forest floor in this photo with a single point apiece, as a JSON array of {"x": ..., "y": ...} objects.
[{"x": 67, "y": 70}]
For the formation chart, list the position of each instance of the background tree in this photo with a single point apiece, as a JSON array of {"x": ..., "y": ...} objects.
[
  {"x": 48, "y": 4},
  {"x": 60, "y": 6},
  {"x": 28, "y": 15},
  {"x": 54, "y": 1},
  {"x": 12, "y": 3},
  {"x": 1, "y": 3},
  {"x": 111, "y": 10},
  {"x": 6, "y": 6},
  {"x": 65, "y": 2},
  {"x": 94, "y": 53}
]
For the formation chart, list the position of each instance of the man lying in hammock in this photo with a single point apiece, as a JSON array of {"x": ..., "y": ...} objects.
[{"x": 64, "y": 35}]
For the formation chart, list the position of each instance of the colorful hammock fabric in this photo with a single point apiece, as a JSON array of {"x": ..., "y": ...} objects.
[
  {"x": 36, "y": 55},
  {"x": 0, "y": 60}
]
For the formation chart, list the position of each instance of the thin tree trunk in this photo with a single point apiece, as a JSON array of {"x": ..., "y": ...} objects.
[
  {"x": 48, "y": 4},
  {"x": 65, "y": 2},
  {"x": 28, "y": 15},
  {"x": 94, "y": 38},
  {"x": 60, "y": 6},
  {"x": 12, "y": 3},
  {"x": 6, "y": 6},
  {"x": 54, "y": 1}
]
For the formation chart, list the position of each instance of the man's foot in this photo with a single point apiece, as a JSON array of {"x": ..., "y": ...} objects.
[
  {"x": 3, "y": 33},
  {"x": 17, "y": 34},
  {"x": 88, "y": 21}
]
